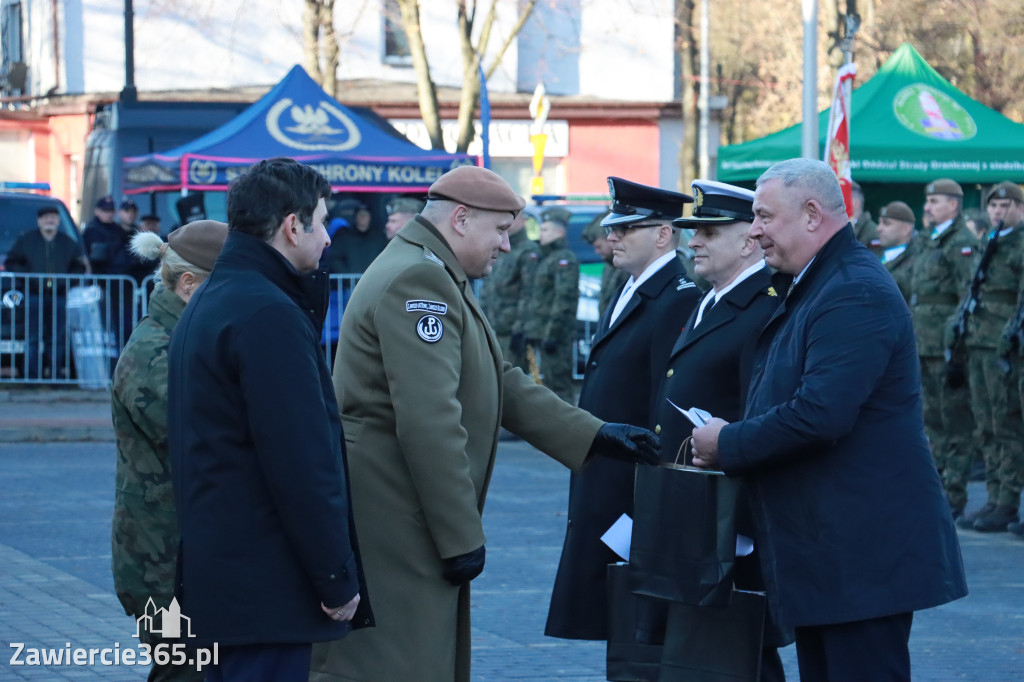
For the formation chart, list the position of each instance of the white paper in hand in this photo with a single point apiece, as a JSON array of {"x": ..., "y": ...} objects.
[
  {"x": 697, "y": 416},
  {"x": 619, "y": 535}
]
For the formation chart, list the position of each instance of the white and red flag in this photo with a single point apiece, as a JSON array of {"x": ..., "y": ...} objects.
[{"x": 837, "y": 141}]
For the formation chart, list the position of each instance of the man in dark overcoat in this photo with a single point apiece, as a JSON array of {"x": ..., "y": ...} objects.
[
  {"x": 268, "y": 561},
  {"x": 626, "y": 364},
  {"x": 709, "y": 366},
  {"x": 851, "y": 521}
]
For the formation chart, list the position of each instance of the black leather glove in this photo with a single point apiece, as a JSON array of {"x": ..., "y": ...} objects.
[
  {"x": 459, "y": 570},
  {"x": 956, "y": 374},
  {"x": 550, "y": 346},
  {"x": 517, "y": 343},
  {"x": 625, "y": 442}
]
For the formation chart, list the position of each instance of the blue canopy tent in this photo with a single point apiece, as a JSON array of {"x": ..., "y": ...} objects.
[{"x": 296, "y": 119}]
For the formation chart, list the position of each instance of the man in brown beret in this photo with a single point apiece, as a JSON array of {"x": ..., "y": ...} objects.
[
  {"x": 995, "y": 397},
  {"x": 423, "y": 391},
  {"x": 943, "y": 266},
  {"x": 895, "y": 233}
]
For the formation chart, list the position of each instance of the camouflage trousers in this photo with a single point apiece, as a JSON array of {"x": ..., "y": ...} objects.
[
  {"x": 949, "y": 424},
  {"x": 556, "y": 368},
  {"x": 995, "y": 396}
]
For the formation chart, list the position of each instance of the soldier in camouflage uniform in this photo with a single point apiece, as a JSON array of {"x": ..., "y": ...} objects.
[
  {"x": 505, "y": 294},
  {"x": 944, "y": 262},
  {"x": 864, "y": 227},
  {"x": 896, "y": 236},
  {"x": 994, "y": 392},
  {"x": 1011, "y": 356},
  {"x": 550, "y": 326},
  {"x": 144, "y": 534},
  {"x": 612, "y": 278}
]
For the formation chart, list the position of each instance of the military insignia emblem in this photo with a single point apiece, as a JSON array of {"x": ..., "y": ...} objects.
[
  {"x": 772, "y": 292},
  {"x": 966, "y": 251},
  {"x": 611, "y": 189},
  {"x": 1001, "y": 192},
  {"x": 698, "y": 198},
  {"x": 422, "y": 306},
  {"x": 430, "y": 328},
  {"x": 930, "y": 189},
  {"x": 429, "y": 255}
]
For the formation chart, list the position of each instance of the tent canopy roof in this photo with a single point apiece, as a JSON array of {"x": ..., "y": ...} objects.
[
  {"x": 296, "y": 119},
  {"x": 907, "y": 124}
]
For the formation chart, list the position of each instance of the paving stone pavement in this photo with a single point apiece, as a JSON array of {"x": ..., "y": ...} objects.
[{"x": 56, "y": 590}]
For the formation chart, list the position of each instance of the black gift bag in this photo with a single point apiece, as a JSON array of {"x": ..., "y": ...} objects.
[
  {"x": 636, "y": 630},
  {"x": 714, "y": 643},
  {"x": 683, "y": 546}
]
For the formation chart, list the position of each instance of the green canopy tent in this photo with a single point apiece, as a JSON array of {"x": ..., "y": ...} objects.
[{"x": 908, "y": 125}]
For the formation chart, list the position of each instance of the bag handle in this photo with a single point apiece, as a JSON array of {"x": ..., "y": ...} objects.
[{"x": 688, "y": 441}]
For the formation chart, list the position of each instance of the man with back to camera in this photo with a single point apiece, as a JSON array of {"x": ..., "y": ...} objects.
[
  {"x": 424, "y": 391},
  {"x": 625, "y": 366},
  {"x": 268, "y": 560},
  {"x": 896, "y": 234},
  {"x": 854, "y": 530},
  {"x": 44, "y": 249},
  {"x": 944, "y": 262}
]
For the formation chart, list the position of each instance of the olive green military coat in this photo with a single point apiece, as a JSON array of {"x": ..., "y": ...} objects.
[{"x": 423, "y": 390}]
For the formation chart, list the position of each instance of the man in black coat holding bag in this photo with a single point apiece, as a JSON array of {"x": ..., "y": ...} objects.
[
  {"x": 625, "y": 367},
  {"x": 268, "y": 561},
  {"x": 851, "y": 522}
]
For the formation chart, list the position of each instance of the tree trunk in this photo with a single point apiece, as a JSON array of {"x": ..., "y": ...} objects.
[
  {"x": 688, "y": 91},
  {"x": 429, "y": 109},
  {"x": 330, "y": 49},
  {"x": 311, "y": 39}
]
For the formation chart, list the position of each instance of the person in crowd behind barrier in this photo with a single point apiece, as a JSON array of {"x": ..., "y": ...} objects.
[
  {"x": 863, "y": 226},
  {"x": 268, "y": 560},
  {"x": 896, "y": 234},
  {"x": 401, "y": 211},
  {"x": 144, "y": 533},
  {"x": 854, "y": 530},
  {"x": 44, "y": 249},
  {"x": 612, "y": 278},
  {"x": 995, "y": 399},
  {"x": 423, "y": 390},
  {"x": 625, "y": 367},
  {"x": 354, "y": 248},
  {"x": 550, "y": 325},
  {"x": 946, "y": 256},
  {"x": 505, "y": 293},
  {"x": 150, "y": 223}
]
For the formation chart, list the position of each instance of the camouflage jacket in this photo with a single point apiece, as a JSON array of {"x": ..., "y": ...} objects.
[
  {"x": 505, "y": 294},
  {"x": 900, "y": 265},
  {"x": 556, "y": 293},
  {"x": 866, "y": 231},
  {"x": 943, "y": 266},
  {"x": 997, "y": 296},
  {"x": 612, "y": 280},
  {"x": 144, "y": 537}
]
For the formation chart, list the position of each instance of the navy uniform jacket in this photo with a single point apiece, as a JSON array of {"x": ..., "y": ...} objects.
[
  {"x": 259, "y": 472},
  {"x": 851, "y": 517},
  {"x": 625, "y": 367}
]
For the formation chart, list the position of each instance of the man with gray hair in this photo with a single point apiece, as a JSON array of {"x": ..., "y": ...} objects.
[{"x": 850, "y": 518}]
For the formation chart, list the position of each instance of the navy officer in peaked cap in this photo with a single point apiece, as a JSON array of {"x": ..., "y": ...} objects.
[
  {"x": 626, "y": 365},
  {"x": 709, "y": 366}
]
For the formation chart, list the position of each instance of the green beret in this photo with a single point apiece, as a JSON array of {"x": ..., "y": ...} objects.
[
  {"x": 944, "y": 186},
  {"x": 1005, "y": 190},
  {"x": 897, "y": 210}
]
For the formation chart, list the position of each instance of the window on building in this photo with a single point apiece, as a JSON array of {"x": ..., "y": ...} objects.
[
  {"x": 12, "y": 67},
  {"x": 396, "y": 43}
]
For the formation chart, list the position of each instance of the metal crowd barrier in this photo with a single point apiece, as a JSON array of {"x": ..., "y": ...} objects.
[{"x": 70, "y": 329}]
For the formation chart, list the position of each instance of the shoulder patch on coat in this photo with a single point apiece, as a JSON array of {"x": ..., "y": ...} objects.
[
  {"x": 966, "y": 251},
  {"x": 430, "y": 255},
  {"x": 685, "y": 284},
  {"x": 563, "y": 261},
  {"x": 430, "y": 328},
  {"x": 423, "y": 306}
]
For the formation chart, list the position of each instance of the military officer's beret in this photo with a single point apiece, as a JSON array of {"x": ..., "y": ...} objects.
[
  {"x": 556, "y": 215},
  {"x": 1006, "y": 190},
  {"x": 199, "y": 242},
  {"x": 717, "y": 202},
  {"x": 897, "y": 210},
  {"x": 593, "y": 231},
  {"x": 477, "y": 187},
  {"x": 944, "y": 186},
  {"x": 634, "y": 203}
]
